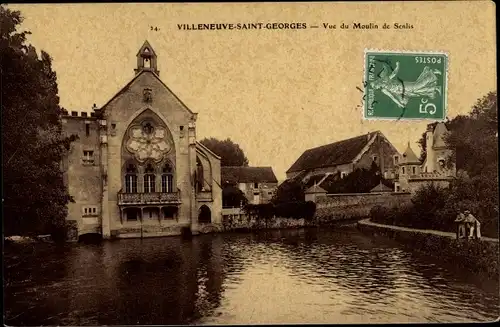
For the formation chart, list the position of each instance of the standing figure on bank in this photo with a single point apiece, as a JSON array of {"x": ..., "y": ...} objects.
[
  {"x": 461, "y": 231},
  {"x": 474, "y": 225}
]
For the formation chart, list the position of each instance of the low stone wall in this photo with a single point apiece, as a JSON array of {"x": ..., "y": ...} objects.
[
  {"x": 335, "y": 207},
  {"x": 480, "y": 257}
]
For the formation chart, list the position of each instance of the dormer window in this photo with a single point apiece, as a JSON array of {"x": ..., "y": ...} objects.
[{"x": 396, "y": 160}]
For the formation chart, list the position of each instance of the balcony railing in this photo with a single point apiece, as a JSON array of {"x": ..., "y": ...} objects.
[
  {"x": 204, "y": 196},
  {"x": 148, "y": 198}
]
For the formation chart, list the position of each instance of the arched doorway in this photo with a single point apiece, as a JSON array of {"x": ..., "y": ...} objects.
[{"x": 204, "y": 215}]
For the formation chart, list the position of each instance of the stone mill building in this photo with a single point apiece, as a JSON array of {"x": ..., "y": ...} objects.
[{"x": 137, "y": 169}]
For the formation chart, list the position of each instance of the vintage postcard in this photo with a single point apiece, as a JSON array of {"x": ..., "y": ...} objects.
[{"x": 249, "y": 163}]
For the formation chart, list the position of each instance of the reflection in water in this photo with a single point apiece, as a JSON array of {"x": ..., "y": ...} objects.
[{"x": 293, "y": 276}]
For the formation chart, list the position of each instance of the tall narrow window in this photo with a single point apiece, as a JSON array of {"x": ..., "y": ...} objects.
[
  {"x": 413, "y": 170},
  {"x": 167, "y": 179},
  {"x": 88, "y": 157},
  {"x": 149, "y": 179},
  {"x": 87, "y": 129},
  {"x": 131, "y": 179},
  {"x": 402, "y": 170},
  {"x": 200, "y": 179}
]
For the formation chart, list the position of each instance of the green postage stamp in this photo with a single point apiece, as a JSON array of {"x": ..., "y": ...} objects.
[{"x": 405, "y": 85}]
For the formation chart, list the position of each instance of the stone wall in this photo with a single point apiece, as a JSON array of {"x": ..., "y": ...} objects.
[
  {"x": 82, "y": 176},
  {"x": 335, "y": 207}
]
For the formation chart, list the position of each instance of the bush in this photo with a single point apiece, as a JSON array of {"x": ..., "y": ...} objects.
[{"x": 297, "y": 210}]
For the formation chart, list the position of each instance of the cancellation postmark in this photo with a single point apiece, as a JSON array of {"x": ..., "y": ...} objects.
[{"x": 405, "y": 85}]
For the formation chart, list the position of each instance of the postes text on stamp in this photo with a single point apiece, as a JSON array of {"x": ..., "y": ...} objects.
[{"x": 405, "y": 85}]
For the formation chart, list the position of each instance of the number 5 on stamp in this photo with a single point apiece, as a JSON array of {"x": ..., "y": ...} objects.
[{"x": 405, "y": 85}]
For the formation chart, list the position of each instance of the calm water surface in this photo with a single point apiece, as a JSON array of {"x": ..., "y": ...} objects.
[{"x": 293, "y": 276}]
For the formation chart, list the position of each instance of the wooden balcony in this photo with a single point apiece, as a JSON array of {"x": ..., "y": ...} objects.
[{"x": 157, "y": 198}]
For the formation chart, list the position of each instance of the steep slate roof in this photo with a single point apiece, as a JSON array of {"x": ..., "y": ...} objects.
[
  {"x": 409, "y": 157},
  {"x": 438, "y": 137},
  {"x": 248, "y": 175},
  {"x": 333, "y": 154}
]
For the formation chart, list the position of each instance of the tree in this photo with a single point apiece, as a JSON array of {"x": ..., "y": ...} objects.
[
  {"x": 231, "y": 154},
  {"x": 361, "y": 180},
  {"x": 35, "y": 195},
  {"x": 474, "y": 138},
  {"x": 232, "y": 196},
  {"x": 289, "y": 191}
]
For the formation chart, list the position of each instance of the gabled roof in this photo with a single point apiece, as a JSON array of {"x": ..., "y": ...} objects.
[
  {"x": 409, "y": 157},
  {"x": 333, "y": 154},
  {"x": 314, "y": 180},
  {"x": 147, "y": 46},
  {"x": 126, "y": 87},
  {"x": 381, "y": 188},
  {"x": 315, "y": 189},
  {"x": 248, "y": 175}
]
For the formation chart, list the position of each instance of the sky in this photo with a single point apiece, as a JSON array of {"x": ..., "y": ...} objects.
[{"x": 276, "y": 93}]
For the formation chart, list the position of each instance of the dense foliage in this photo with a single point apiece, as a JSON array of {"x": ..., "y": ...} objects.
[
  {"x": 34, "y": 193},
  {"x": 232, "y": 197},
  {"x": 360, "y": 180},
  {"x": 297, "y": 210},
  {"x": 474, "y": 140},
  {"x": 231, "y": 154},
  {"x": 289, "y": 191}
]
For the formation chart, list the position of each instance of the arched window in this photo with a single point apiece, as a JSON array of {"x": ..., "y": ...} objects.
[
  {"x": 131, "y": 179},
  {"x": 149, "y": 179},
  {"x": 167, "y": 179}
]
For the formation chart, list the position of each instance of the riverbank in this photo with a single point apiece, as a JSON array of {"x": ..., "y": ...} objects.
[
  {"x": 317, "y": 275},
  {"x": 478, "y": 256}
]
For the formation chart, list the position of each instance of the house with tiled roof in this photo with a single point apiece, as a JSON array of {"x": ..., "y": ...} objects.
[
  {"x": 257, "y": 183},
  {"x": 334, "y": 161},
  {"x": 413, "y": 173}
]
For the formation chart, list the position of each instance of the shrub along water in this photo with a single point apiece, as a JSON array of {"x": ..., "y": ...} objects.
[
  {"x": 268, "y": 211},
  {"x": 434, "y": 207}
]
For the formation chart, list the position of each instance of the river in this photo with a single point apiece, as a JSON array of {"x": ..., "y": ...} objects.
[{"x": 285, "y": 276}]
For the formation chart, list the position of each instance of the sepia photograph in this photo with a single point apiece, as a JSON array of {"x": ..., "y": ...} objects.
[{"x": 249, "y": 163}]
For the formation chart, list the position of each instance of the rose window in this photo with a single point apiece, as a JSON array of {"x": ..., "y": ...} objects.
[{"x": 148, "y": 142}]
